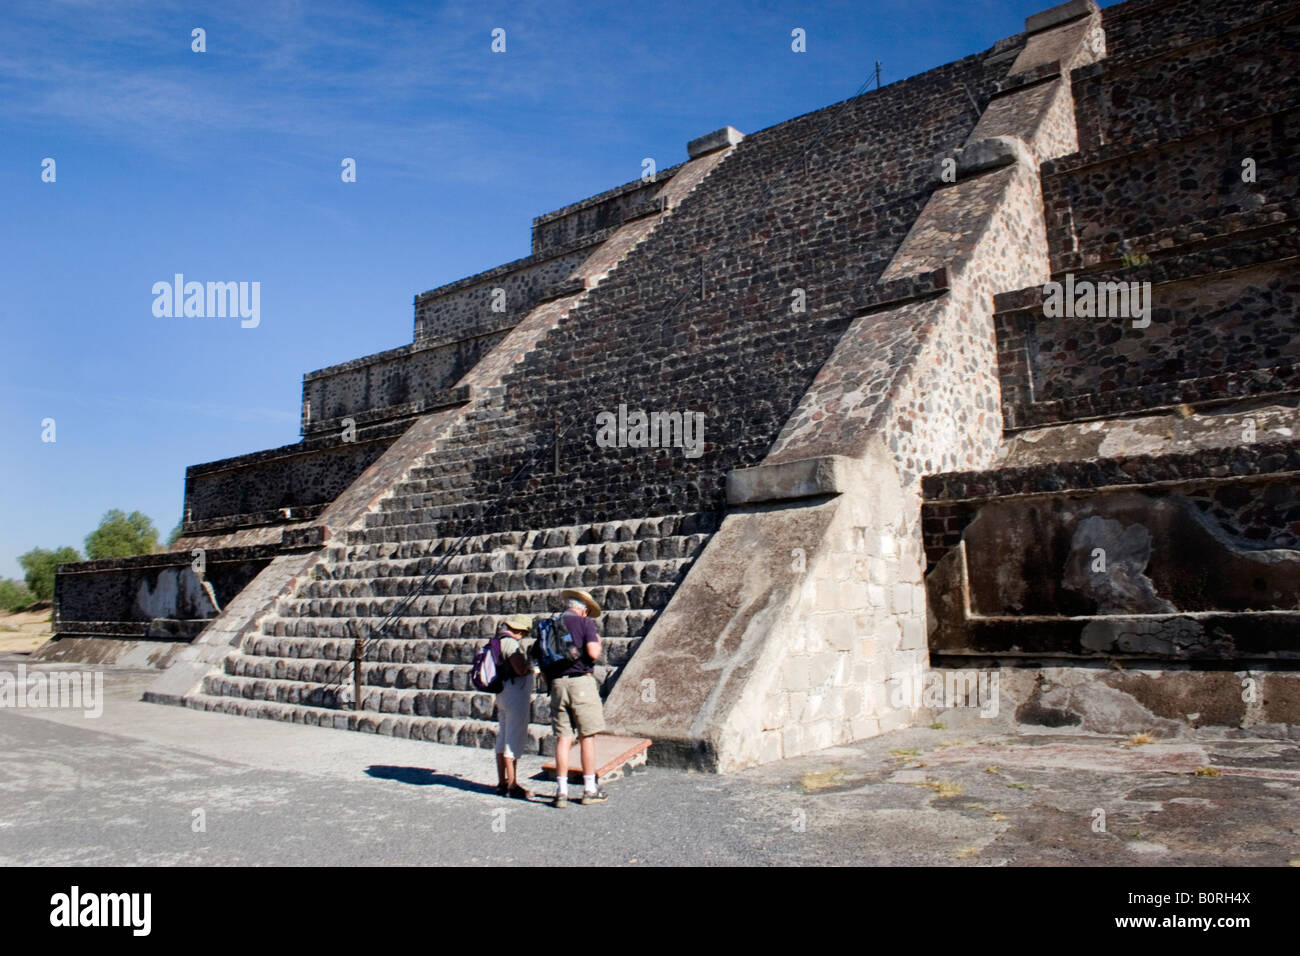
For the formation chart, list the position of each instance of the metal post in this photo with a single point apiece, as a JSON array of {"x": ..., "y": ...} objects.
[
  {"x": 357, "y": 648},
  {"x": 877, "y": 74}
]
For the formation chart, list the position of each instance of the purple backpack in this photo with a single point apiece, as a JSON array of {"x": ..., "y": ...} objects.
[{"x": 487, "y": 673}]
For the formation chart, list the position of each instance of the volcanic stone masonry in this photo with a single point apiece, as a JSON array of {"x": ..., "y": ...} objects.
[{"x": 910, "y": 463}]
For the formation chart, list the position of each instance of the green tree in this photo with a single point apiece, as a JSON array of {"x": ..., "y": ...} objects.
[
  {"x": 121, "y": 535},
  {"x": 176, "y": 533},
  {"x": 14, "y": 594},
  {"x": 38, "y": 567}
]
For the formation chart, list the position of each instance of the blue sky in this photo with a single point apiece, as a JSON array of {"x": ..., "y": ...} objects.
[{"x": 224, "y": 165}]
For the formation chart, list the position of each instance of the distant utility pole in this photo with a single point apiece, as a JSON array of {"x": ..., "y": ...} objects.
[{"x": 877, "y": 74}]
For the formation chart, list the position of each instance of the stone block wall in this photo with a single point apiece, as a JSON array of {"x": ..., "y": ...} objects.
[
  {"x": 468, "y": 308},
  {"x": 1169, "y": 557},
  {"x": 1222, "y": 325},
  {"x": 948, "y": 497},
  {"x": 279, "y": 485},
  {"x": 1099, "y": 206},
  {"x": 394, "y": 384},
  {"x": 1140, "y": 29},
  {"x": 789, "y": 622},
  {"x": 122, "y": 596},
  {"x": 596, "y": 216},
  {"x": 1229, "y": 62},
  {"x": 494, "y": 301}
]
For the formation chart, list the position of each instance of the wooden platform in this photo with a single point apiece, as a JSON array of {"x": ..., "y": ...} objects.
[{"x": 613, "y": 754}]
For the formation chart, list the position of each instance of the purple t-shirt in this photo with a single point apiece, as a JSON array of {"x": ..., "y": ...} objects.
[{"x": 583, "y": 631}]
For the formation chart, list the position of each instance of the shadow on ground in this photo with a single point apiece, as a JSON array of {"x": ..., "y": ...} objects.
[{"x": 423, "y": 777}]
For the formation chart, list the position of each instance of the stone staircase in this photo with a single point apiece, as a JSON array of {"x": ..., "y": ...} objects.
[
  {"x": 448, "y": 510},
  {"x": 416, "y": 679}
]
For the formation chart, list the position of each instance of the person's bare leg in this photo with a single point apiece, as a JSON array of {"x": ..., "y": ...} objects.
[
  {"x": 562, "y": 745},
  {"x": 510, "y": 771},
  {"x": 503, "y": 769},
  {"x": 587, "y": 746}
]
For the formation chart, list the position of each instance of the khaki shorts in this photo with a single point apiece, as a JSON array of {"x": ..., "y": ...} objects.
[{"x": 575, "y": 703}]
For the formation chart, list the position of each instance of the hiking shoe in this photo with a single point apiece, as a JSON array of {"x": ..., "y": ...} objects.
[
  {"x": 588, "y": 798},
  {"x": 560, "y": 802}
]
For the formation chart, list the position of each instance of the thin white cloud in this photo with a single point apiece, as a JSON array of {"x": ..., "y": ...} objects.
[
  {"x": 136, "y": 403},
  {"x": 410, "y": 89}
]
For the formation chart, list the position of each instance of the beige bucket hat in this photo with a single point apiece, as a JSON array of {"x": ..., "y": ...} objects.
[
  {"x": 593, "y": 609},
  {"x": 520, "y": 622}
]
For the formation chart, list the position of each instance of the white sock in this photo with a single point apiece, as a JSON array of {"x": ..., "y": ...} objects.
[
  {"x": 589, "y": 782},
  {"x": 562, "y": 788}
]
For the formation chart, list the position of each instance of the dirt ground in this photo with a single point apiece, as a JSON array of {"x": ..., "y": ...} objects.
[{"x": 25, "y": 630}]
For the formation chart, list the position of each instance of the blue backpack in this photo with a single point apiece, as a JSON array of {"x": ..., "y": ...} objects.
[{"x": 553, "y": 646}]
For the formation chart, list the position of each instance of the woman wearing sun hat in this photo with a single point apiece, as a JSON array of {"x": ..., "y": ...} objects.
[{"x": 514, "y": 704}]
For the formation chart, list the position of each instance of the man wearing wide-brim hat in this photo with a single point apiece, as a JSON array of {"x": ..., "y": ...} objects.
[
  {"x": 514, "y": 704},
  {"x": 575, "y": 699}
]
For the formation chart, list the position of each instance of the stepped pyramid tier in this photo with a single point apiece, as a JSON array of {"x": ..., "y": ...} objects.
[{"x": 992, "y": 370}]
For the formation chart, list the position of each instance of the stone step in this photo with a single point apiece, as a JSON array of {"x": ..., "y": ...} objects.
[
  {"x": 334, "y": 679},
  {"x": 436, "y": 699},
  {"x": 485, "y": 582},
  {"x": 615, "y": 597},
  {"x": 676, "y": 550},
  {"x": 431, "y": 469},
  {"x": 428, "y": 516},
  {"x": 477, "y": 706},
  {"x": 432, "y": 485},
  {"x": 359, "y": 548},
  {"x": 461, "y": 450},
  {"x": 429, "y": 486},
  {"x": 612, "y": 596},
  {"x": 405, "y": 534},
  {"x": 442, "y": 677},
  {"x": 464, "y": 733},
  {"x": 434, "y": 655},
  {"x": 415, "y": 680},
  {"x": 630, "y": 623}
]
